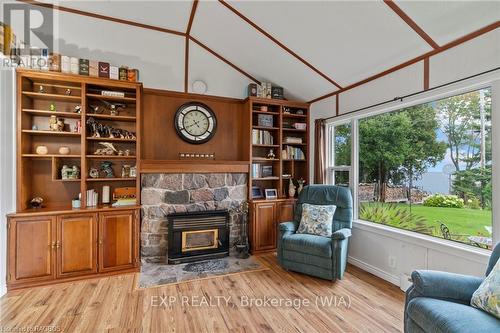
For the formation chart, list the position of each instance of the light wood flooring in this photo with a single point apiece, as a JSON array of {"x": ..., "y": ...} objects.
[{"x": 361, "y": 303}]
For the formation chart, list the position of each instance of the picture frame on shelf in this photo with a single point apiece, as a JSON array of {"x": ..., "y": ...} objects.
[
  {"x": 257, "y": 192},
  {"x": 271, "y": 193}
]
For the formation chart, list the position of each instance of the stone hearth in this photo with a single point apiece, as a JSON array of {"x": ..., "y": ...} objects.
[{"x": 163, "y": 194}]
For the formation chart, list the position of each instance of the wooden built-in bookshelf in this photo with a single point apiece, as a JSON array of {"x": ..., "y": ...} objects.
[
  {"x": 284, "y": 115},
  {"x": 40, "y": 175}
]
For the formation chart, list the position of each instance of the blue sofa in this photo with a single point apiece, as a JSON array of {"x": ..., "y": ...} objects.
[
  {"x": 439, "y": 302},
  {"x": 323, "y": 257}
]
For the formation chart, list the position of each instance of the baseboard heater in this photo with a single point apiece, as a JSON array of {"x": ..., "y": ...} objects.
[{"x": 195, "y": 236}]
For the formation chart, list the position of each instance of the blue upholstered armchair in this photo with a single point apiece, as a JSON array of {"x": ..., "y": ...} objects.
[
  {"x": 440, "y": 302},
  {"x": 324, "y": 257}
]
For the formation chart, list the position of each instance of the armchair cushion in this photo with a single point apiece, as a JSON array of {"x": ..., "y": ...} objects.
[
  {"x": 308, "y": 244},
  {"x": 443, "y": 285},
  {"x": 316, "y": 219},
  {"x": 288, "y": 226},
  {"x": 439, "y": 316}
]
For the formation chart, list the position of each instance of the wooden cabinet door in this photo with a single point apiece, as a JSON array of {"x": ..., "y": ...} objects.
[
  {"x": 31, "y": 243},
  {"x": 265, "y": 226},
  {"x": 76, "y": 245},
  {"x": 117, "y": 240},
  {"x": 285, "y": 211}
]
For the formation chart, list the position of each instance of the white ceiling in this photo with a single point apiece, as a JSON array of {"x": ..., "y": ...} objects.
[{"x": 346, "y": 40}]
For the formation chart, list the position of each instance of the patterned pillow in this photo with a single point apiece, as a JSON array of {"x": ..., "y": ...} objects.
[
  {"x": 487, "y": 296},
  {"x": 316, "y": 219}
]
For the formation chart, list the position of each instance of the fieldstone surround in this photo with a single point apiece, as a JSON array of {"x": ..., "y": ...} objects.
[{"x": 163, "y": 194}]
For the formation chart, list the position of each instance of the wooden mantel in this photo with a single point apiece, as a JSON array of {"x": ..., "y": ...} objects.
[{"x": 191, "y": 166}]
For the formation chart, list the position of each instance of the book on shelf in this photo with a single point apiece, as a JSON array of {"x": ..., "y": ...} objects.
[
  {"x": 92, "y": 198},
  {"x": 261, "y": 171},
  {"x": 262, "y": 137},
  {"x": 292, "y": 153},
  {"x": 292, "y": 139},
  {"x": 125, "y": 202}
]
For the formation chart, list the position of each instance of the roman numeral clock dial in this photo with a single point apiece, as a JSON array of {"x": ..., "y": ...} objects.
[{"x": 195, "y": 122}]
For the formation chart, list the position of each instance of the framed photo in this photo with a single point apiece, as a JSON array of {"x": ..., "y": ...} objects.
[
  {"x": 271, "y": 193},
  {"x": 256, "y": 192}
]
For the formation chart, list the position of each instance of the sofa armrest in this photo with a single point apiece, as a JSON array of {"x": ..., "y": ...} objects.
[
  {"x": 288, "y": 227},
  {"x": 443, "y": 285},
  {"x": 341, "y": 234}
]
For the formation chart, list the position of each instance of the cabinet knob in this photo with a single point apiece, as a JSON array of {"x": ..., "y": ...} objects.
[
  {"x": 58, "y": 244},
  {"x": 53, "y": 245},
  {"x": 100, "y": 241}
]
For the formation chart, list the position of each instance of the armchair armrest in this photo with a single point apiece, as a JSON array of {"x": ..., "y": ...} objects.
[
  {"x": 341, "y": 234},
  {"x": 443, "y": 285},
  {"x": 288, "y": 226}
]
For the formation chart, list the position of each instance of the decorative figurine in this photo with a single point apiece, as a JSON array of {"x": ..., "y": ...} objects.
[
  {"x": 125, "y": 171},
  {"x": 78, "y": 109},
  {"x": 52, "y": 107},
  {"x": 34, "y": 128},
  {"x": 41, "y": 89},
  {"x": 68, "y": 92},
  {"x": 291, "y": 189},
  {"x": 36, "y": 202},
  {"x": 108, "y": 150},
  {"x": 93, "y": 173},
  {"x": 301, "y": 183},
  {"x": 271, "y": 154},
  {"x": 65, "y": 172},
  {"x": 107, "y": 169},
  {"x": 96, "y": 109},
  {"x": 75, "y": 172},
  {"x": 53, "y": 123},
  {"x": 133, "y": 171},
  {"x": 113, "y": 110},
  {"x": 98, "y": 130}
]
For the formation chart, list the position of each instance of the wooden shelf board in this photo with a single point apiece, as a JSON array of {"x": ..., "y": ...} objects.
[
  {"x": 266, "y": 178},
  {"x": 51, "y": 156},
  {"x": 57, "y": 85},
  {"x": 293, "y": 160},
  {"x": 294, "y": 130},
  {"x": 266, "y": 112},
  {"x": 51, "y": 133},
  {"x": 266, "y": 128},
  {"x": 116, "y": 179},
  {"x": 52, "y": 113},
  {"x": 66, "y": 208},
  {"x": 112, "y": 98},
  {"x": 187, "y": 166},
  {"x": 113, "y": 157},
  {"x": 291, "y": 115},
  {"x": 110, "y": 117},
  {"x": 66, "y": 180},
  {"x": 111, "y": 139},
  {"x": 263, "y": 159},
  {"x": 267, "y": 146},
  {"x": 52, "y": 96}
]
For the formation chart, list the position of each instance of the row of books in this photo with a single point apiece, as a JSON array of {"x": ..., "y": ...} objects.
[
  {"x": 261, "y": 171},
  {"x": 292, "y": 153},
  {"x": 92, "y": 198},
  {"x": 260, "y": 137}
]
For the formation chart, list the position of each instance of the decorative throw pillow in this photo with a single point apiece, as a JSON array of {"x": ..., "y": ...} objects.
[
  {"x": 487, "y": 296},
  {"x": 316, "y": 219}
]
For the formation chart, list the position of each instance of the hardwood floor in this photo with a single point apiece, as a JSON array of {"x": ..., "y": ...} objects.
[{"x": 361, "y": 302}]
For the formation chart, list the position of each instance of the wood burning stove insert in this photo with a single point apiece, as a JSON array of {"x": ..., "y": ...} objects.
[{"x": 197, "y": 236}]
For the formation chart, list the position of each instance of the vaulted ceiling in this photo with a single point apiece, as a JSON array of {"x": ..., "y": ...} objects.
[{"x": 311, "y": 48}]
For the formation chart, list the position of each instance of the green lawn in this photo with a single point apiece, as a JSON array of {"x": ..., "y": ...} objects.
[{"x": 460, "y": 221}]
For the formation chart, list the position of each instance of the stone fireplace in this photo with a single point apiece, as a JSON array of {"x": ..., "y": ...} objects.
[{"x": 166, "y": 193}]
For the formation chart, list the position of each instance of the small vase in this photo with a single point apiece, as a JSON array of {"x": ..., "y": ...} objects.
[
  {"x": 291, "y": 189},
  {"x": 42, "y": 150}
]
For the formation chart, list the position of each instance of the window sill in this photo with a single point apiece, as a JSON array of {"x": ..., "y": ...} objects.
[{"x": 434, "y": 243}]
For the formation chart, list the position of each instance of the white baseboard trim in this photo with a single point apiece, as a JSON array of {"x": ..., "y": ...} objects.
[
  {"x": 374, "y": 270},
  {"x": 3, "y": 289}
]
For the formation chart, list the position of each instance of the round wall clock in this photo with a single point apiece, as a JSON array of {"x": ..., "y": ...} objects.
[{"x": 195, "y": 122}]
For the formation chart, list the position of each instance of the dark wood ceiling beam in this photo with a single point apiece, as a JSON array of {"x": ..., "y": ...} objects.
[
  {"x": 429, "y": 54},
  {"x": 102, "y": 17},
  {"x": 411, "y": 23},
  {"x": 223, "y": 59},
  {"x": 186, "y": 50},
  {"x": 280, "y": 44}
]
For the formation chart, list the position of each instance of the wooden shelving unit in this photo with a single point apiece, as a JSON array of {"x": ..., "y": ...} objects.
[
  {"x": 40, "y": 174},
  {"x": 284, "y": 115}
]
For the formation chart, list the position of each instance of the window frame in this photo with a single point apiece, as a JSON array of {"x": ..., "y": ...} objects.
[{"x": 487, "y": 81}]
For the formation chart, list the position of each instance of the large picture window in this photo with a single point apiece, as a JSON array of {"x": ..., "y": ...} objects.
[{"x": 425, "y": 168}]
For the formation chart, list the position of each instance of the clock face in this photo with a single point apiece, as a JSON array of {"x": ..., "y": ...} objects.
[{"x": 195, "y": 122}]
